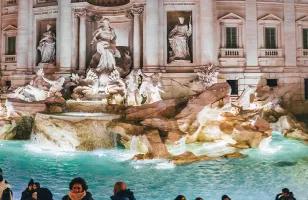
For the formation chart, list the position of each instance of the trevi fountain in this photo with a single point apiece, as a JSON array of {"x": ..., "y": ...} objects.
[{"x": 113, "y": 120}]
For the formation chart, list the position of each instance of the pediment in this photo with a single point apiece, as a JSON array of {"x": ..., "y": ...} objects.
[
  {"x": 9, "y": 28},
  {"x": 303, "y": 19},
  {"x": 270, "y": 17},
  {"x": 231, "y": 16}
]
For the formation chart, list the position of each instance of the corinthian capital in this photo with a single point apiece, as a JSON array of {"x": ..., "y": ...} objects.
[
  {"x": 80, "y": 12},
  {"x": 137, "y": 9}
]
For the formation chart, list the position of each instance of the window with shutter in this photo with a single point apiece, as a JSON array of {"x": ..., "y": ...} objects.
[
  {"x": 231, "y": 40},
  {"x": 270, "y": 38}
]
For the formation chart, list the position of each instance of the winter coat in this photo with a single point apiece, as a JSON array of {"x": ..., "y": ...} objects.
[
  {"x": 123, "y": 195},
  {"x": 26, "y": 195},
  {"x": 87, "y": 197},
  {"x": 5, "y": 191},
  {"x": 44, "y": 194}
]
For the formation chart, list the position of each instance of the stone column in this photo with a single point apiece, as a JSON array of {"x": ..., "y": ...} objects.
[
  {"x": 251, "y": 33},
  {"x": 22, "y": 46},
  {"x": 136, "y": 11},
  {"x": 65, "y": 34},
  {"x": 151, "y": 36},
  {"x": 289, "y": 33},
  {"x": 75, "y": 41},
  {"x": 82, "y": 41},
  {"x": 208, "y": 46}
]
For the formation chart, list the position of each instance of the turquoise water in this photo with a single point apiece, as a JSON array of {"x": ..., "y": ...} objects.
[{"x": 262, "y": 174}]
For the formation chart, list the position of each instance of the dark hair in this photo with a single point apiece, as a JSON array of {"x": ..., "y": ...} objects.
[
  {"x": 198, "y": 198},
  {"x": 31, "y": 182},
  {"x": 1, "y": 177},
  {"x": 38, "y": 185},
  {"x": 180, "y": 197},
  {"x": 119, "y": 186},
  {"x": 80, "y": 181},
  {"x": 225, "y": 197},
  {"x": 286, "y": 190}
]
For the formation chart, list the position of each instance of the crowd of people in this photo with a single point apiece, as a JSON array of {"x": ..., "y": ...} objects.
[{"x": 78, "y": 190}]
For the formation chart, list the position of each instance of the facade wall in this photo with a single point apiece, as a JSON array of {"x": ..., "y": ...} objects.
[{"x": 251, "y": 63}]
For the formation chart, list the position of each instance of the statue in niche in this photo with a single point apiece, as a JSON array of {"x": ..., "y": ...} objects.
[
  {"x": 47, "y": 46},
  {"x": 103, "y": 80},
  {"x": 178, "y": 39},
  {"x": 105, "y": 39}
]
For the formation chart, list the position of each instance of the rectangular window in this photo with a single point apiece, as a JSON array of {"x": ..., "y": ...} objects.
[
  {"x": 231, "y": 38},
  {"x": 11, "y": 46},
  {"x": 272, "y": 82},
  {"x": 306, "y": 89},
  {"x": 305, "y": 38},
  {"x": 234, "y": 86},
  {"x": 270, "y": 38}
]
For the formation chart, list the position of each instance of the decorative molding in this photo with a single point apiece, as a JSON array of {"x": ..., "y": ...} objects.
[
  {"x": 270, "y": 18},
  {"x": 10, "y": 28},
  {"x": 137, "y": 10}
]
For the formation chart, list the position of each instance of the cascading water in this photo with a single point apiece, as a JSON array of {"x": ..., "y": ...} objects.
[{"x": 266, "y": 147}]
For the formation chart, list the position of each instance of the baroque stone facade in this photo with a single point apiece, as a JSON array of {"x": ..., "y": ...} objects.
[{"x": 254, "y": 41}]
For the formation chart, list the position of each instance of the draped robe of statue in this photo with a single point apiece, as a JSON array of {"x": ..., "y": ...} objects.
[
  {"x": 178, "y": 39},
  {"x": 106, "y": 47},
  {"x": 47, "y": 47}
]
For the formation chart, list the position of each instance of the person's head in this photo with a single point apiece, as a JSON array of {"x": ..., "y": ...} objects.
[
  {"x": 36, "y": 185},
  {"x": 198, "y": 198},
  {"x": 119, "y": 186},
  {"x": 1, "y": 172},
  {"x": 78, "y": 185},
  {"x": 30, "y": 184},
  {"x": 181, "y": 20},
  {"x": 106, "y": 22},
  {"x": 285, "y": 192},
  {"x": 48, "y": 27},
  {"x": 180, "y": 197},
  {"x": 1, "y": 178},
  {"x": 225, "y": 197}
]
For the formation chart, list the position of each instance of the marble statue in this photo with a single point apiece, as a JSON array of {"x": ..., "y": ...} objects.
[
  {"x": 39, "y": 89},
  {"x": 102, "y": 82},
  {"x": 133, "y": 82},
  {"x": 47, "y": 46},
  {"x": 178, "y": 39},
  {"x": 206, "y": 76},
  {"x": 151, "y": 88},
  {"x": 99, "y": 86},
  {"x": 105, "y": 38}
]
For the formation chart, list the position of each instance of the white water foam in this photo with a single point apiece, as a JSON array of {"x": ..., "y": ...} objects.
[{"x": 265, "y": 146}]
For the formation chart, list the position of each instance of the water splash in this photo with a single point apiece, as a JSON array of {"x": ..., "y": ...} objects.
[{"x": 266, "y": 147}]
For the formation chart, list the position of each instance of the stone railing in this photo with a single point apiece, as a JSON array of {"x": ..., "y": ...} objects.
[
  {"x": 9, "y": 58},
  {"x": 302, "y": 52},
  {"x": 237, "y": 53},
  {"x": 265, "y": 53},
  {"x": 10, "y": 2}
]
